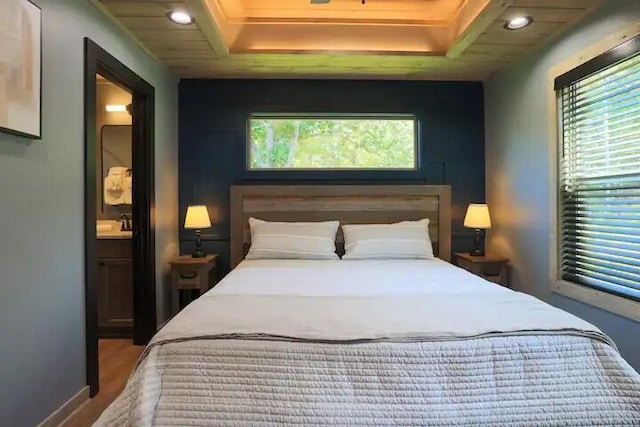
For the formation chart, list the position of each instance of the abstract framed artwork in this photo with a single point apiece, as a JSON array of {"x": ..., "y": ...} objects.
[{"x": 20, "y": 68}]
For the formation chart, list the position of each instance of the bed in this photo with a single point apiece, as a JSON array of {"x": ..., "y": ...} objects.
[{"x": 384, "y": 342}]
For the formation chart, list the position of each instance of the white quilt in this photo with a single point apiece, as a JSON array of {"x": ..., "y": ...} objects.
[{"x": 375, "y": 343}]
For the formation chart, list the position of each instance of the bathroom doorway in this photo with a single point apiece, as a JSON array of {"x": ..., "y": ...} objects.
[
  {"x": 114, "y": 230},
  {"x": 119, "y": 206}
]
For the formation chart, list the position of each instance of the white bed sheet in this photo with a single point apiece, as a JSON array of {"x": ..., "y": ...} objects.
[
  {"x": 351, "y": 278},
  {"x": 364, "y": 300}
]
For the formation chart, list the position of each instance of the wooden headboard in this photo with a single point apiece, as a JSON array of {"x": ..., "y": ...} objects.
[{"x": 349, "y": 204}]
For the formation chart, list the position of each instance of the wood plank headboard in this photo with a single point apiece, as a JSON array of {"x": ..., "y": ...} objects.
[{"x": 349, "y": 204}]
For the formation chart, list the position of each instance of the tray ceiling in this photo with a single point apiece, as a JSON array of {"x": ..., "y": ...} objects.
[{"x": 381, "y": 39}]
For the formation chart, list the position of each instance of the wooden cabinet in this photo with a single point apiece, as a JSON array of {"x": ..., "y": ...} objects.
[
  {"x": 115, "y": 288},
  {"x": 490, "y": 267},
  {"x": 192, "y": 277}
]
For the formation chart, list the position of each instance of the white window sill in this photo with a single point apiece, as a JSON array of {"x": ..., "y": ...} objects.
[{"x": 606, "y": 301}]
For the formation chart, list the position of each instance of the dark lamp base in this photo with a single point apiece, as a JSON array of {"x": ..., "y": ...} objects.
[
  {"x": 198, "y": 253},
  {"x": 478, "y": 243}
]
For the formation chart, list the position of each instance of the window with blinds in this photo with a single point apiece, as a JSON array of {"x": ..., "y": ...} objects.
[{"x": 599, "y": 172}]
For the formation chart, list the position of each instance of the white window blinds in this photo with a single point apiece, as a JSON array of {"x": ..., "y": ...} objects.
[{"x": 599, "y": 173}]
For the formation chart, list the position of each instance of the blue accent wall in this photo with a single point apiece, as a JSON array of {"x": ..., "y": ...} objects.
[{"x": 213, "y": 130}]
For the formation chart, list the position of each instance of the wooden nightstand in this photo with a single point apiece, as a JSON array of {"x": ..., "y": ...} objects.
[
  {"x": 192, "y": 277},
  {"x": 491, "y": 267}
]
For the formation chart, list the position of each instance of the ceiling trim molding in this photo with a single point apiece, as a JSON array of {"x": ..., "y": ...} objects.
[
  {"x": 490, "y": 10},
  {"x": 340, "y": 21},
  {"x": 208, "y": 24}
]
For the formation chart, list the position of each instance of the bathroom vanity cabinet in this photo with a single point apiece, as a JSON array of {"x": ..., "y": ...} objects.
[{"x": 115, "y": 287}]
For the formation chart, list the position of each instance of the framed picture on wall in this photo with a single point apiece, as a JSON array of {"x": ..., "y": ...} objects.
[{"x": 20, "y": 68}]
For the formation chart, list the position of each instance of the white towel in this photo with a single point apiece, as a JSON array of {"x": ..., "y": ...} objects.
[
  {"x": 128, "y": 187},
  {"x": 114, "y": 186}
]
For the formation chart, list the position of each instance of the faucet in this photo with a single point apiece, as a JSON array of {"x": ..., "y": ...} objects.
[{"x": 126, "y": 223}]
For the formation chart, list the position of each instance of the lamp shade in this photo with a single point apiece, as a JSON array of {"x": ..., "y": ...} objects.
[
  {"x": 197, "y": 217},
  {"x": 477, "y": 216}
]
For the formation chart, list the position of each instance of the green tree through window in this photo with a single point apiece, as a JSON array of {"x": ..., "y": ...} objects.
[{"x": 332, "y": 143}]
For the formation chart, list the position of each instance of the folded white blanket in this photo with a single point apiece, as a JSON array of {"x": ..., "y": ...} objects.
[
  {"x": 549, "y": 380},
  {"x": 390, "y": 318}
]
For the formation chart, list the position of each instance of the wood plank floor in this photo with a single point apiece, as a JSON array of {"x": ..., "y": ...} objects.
[{"x": 117, "y": 357}]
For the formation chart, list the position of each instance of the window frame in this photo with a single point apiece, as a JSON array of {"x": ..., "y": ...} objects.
[
  {"x": 329, "y": 172},
  {"x": 573, "y": 66}
]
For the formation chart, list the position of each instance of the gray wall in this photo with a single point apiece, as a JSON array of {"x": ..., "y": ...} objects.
[
  {"x": 42, "y": 357},
  {"x": 518, "y": 164}
]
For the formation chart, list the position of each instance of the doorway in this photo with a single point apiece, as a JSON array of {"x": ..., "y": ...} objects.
[
  {"x": 114, "y": 181},
  {"x": 140, "y": 224}
]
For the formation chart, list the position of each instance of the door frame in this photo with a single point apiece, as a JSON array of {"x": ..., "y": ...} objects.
[{"x": 98, "y": 60}]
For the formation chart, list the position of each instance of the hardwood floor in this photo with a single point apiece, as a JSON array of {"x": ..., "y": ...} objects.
[{"x": 117, "y": 357}]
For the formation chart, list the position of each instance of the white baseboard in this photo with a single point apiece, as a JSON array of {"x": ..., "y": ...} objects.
[{"x": 68, "y": 408}]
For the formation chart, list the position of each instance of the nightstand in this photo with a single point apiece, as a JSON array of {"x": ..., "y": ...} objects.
[
  {"x": 192, "y": 277},
  {"x": 490, "y": 267}
]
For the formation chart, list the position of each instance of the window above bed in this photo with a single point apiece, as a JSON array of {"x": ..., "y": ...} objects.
[{"x": 335, "y": 142}]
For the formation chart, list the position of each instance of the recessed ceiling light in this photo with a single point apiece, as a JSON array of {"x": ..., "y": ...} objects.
[
  {"x": 180, "y": 17},
  {"x": 518, "y": 22}
]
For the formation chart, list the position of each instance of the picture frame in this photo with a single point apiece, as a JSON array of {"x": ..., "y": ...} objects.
[{"x": 21, "y": 68}]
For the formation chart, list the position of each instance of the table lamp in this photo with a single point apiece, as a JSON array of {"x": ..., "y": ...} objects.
[
  {"x": 197, "y": 218},
  {"x": 477, "y": 217}
]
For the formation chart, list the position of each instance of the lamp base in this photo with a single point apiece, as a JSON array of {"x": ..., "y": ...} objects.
[
  {"x": 478, "y": 243},
  {"x": 198, "y": 253}
]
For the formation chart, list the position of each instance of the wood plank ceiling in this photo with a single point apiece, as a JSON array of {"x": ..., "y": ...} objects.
[{"x": 383, "y": 39}]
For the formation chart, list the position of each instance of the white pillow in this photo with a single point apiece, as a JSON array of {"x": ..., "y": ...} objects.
[
  {"x": 402, "y": 240},
  {"x": 292, "y": 240}
]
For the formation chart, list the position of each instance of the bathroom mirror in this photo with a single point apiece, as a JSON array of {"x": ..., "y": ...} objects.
[{"x": 116, "y": 151}]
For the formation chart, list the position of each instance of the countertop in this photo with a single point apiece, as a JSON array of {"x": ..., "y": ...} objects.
[{"x": 115, "y": 235}]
